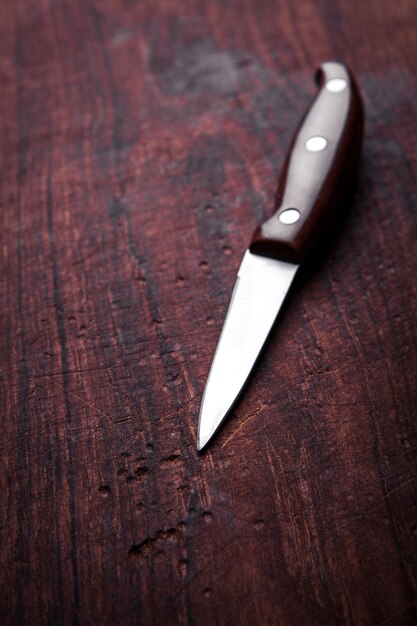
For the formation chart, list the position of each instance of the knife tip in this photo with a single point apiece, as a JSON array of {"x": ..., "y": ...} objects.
[
  {"x": 201, "y": 444},
  {"x": 203, "y": 438}
]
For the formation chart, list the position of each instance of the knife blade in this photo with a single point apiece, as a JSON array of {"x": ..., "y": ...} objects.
[{"x": 317, "y": 174}]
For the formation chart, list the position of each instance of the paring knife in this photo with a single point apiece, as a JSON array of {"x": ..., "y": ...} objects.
[{"x": 317, "y": 174}]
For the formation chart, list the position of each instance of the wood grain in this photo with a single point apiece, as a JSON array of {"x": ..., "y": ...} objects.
[{"x": 141, "y": 143}]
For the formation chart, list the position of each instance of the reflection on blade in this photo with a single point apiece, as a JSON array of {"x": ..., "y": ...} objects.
[{"x": 260, "y": 289}]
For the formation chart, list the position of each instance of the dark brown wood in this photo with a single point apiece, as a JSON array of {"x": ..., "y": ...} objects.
[
  {"x": 315, "y": 183},
  {"x": 141, "y": 143}
]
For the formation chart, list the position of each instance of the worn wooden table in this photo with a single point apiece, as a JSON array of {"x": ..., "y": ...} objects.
[{"x": 140, "y": 147}]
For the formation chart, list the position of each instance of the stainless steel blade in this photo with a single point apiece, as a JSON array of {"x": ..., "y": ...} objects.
[{"x": 261, "y": 286}]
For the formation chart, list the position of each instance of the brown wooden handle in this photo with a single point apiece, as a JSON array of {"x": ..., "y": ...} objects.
[{"x": 318, "y": 170}]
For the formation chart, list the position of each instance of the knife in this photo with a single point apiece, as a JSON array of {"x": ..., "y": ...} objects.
[{"x": 317, "y": 175}]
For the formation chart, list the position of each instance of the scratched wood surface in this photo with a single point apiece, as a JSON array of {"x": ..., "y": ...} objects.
[{"x": 140, "y": 144}]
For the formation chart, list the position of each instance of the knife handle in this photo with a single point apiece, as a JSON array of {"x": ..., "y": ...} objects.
[{"x": 318, "y": 170}]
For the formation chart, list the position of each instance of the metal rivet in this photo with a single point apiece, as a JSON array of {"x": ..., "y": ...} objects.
[
  {"x": 316, "y": 144},
  {"x": 289, "y": 216},
  {"x": 336, "y": 84}
]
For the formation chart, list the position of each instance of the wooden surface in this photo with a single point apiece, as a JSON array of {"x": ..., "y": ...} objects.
[{"x": 141, "y": 143}]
